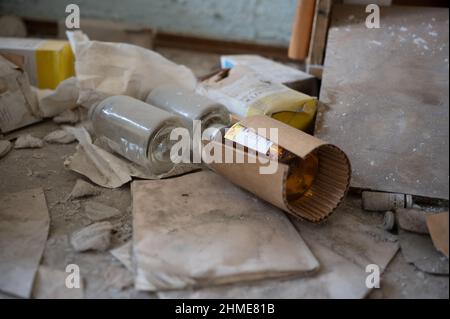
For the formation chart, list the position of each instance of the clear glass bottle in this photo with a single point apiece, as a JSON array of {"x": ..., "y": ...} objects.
[
  {"x": 189, "y": 106},
  {"x": 136, "y": 130}
]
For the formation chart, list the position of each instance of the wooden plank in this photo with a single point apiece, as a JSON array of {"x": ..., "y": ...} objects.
[
  {"x": 386, "y": 100},
  {"x": 319, "y": 32}
]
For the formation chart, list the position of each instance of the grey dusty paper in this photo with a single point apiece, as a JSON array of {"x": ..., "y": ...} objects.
[
  {"x": 24, "y": 225},
  {"x": 201, "y": 230}
]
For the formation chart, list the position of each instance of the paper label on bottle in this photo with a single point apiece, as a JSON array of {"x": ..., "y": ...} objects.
[{"x": 246, "y": 137}]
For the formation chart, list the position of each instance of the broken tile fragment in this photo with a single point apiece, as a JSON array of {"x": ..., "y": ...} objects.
[
  {"x": 28, "y": 141},
  {"x": 83, "y": 189},
  {"x": 5, "y": 147},
  {"x": 93, "y": 237},
  {"x": 59, "y": 137},
  {"x": 97, "y": 211}
]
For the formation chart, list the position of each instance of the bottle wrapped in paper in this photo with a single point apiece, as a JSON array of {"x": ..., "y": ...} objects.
[{"x": 321, "y": 199}]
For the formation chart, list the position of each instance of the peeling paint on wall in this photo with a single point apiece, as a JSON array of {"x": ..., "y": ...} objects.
[{"x": 260, "y": 21}]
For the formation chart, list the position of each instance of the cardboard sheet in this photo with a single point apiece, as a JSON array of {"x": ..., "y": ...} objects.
[
  {"x": 200, "y": 230},
  {"x": 386, "y": 99},
  {"x": 438, "y": 227},
  {"x": 24, "y": 225},
  {"x": 344, "y": 246}
]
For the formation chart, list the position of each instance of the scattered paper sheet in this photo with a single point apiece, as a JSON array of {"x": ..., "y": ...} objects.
[
  {"x": 201, "y": 230},
  {"x": 51, "y": 284},
  {"x": 24, "y": 225},
  {"x": 344, "y": 246},
  {"x": 418, "y": 249}
]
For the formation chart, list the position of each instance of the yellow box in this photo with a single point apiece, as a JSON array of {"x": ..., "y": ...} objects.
[{"x": 47, "y": 62}]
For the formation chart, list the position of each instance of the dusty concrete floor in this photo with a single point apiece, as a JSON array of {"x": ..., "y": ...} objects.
[{"x": 103, "y": 275}]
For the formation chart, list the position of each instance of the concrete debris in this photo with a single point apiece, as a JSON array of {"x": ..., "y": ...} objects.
[
  {"x": 93, "y": 237},
  {"x": 59, "y": 137},
  {"x": 413, "y": 220},
  {"x": 97, "y": 211},
  {"x": 5, "y": 147},
  {"x": 83, "y": 189},
  {"x": 28, "y": 141}
]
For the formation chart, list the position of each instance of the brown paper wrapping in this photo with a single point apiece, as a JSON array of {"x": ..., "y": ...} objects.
[{"x": 330, "y": 185}]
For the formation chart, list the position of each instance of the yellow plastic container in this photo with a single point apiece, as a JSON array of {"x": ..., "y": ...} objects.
[{"x": 47, "y": 62}]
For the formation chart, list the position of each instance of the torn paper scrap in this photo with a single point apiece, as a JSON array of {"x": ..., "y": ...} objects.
[
  {"x": 28, "y": 141},
  {"x": 128, "y": 70},
  {"x": 59, "y": 137},
  {"x": 71, "y": 116},
  {"x": 83, "y": 189},
  {"x": 97, "y": 211},
  {"x": 201, "y": 230},
  {"x": 51, "y": 284},
  {"x": 93, "y": 237},
  {"x": 18, "y": 103},
  {"x": 24, "y": 225},
  {"x": 124, "y": 255},
  {"x": 438, "y": 227}
]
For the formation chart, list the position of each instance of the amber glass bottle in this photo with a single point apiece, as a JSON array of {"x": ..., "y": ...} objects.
[{"x": 302, "y": 172}]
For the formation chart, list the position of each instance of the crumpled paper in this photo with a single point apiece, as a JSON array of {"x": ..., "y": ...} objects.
[
  {"x": 109, "y": 170},
  {"x": 62, "y": 99},
  {"x": 105, "y": 68},
  {"x": 201, "y": 230}
]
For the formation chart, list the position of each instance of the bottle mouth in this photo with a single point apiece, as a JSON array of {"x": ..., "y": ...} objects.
[{"x": 215, "y": 117}]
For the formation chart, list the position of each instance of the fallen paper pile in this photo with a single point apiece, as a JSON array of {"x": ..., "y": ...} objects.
[{"x": 209, "y": 234}]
